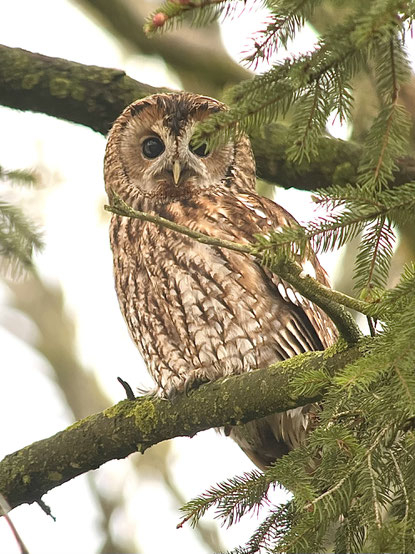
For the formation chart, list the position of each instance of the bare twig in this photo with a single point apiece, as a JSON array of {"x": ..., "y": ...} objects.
[{"x": 330, "y": 301}]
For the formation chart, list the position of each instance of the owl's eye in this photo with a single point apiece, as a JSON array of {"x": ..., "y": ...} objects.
[
  {"x": 153, "y": 147},
  {"x": 200, "y": 151}
]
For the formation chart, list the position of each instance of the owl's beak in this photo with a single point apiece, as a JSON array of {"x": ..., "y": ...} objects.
[{"x": 176, "y": 171}]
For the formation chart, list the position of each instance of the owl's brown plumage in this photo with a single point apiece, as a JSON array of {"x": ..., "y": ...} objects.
[{"x": 198, "y": 312}]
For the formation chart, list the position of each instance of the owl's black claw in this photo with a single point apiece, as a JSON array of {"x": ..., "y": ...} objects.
[
  {"x": 172, "y": 394},
  {"x": 127, "y": 388},
  {"x": 193, "y": 382}
]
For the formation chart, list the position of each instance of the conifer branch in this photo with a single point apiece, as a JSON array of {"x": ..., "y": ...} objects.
[
  {"x": 352, "y": 469},
  {"x": 19, "y": 238},
  {"x": 268, "y": 45},
  {"x": 172, "y": 13},
  {"x": 252, "y": 485},
  {"x": 281, "y": 27},
  {"x": 394, "y": 98},
  {"x": 405, "y": 493},
  {"x": 375, "y": 251},
  {"x": 330, "y": 301},
  {"x": 374, "y": 493},
  {"x": 119, "y": 207}
]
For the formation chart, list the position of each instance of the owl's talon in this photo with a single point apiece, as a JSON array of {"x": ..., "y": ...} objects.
[
  {"x": 127, "y": 388},
  {"x": 172, "y": 394},
  {"x": 193, "y": 382}
]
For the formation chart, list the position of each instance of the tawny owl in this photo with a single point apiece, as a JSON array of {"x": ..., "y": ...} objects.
[{"x": 198, "y": 312}]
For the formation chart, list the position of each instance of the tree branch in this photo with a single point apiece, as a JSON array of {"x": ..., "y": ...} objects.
[
  {"x": 86, "y": 94},
  {"x": 133, "y": 425},
  {"x": 329, "y": 300},
  {"x": 95, "y": 96}
]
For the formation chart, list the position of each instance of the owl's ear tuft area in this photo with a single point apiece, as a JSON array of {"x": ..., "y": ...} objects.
[{"x": 138, "y": 107}]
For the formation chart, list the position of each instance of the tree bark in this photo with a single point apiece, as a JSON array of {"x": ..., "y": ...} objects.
[
  {"x": 95, "y": 96},
  {"x": 133, "y": 425}
]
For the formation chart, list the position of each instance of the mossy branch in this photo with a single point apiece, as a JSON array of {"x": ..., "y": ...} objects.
[
  {"x": 86, "y": 94},
  {"x": 331, "y": 301},
  {"x": 119, "y": 207},
  {"x": 135, "y": 425},
  {"x": 95, "y": 96}
]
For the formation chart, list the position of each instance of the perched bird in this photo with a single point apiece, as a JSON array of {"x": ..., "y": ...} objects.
[{"x": 197, "y": 312}]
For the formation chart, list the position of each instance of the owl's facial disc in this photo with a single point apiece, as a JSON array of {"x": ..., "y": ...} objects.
[
  {"x": 150, "y": 158},
  {"x": 156, "y": 159},
  {"x": 171, "y": 162}
]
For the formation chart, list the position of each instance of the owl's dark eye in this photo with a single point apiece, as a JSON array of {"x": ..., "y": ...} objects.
[
  {"x": 153, "y": 147},
  {"x": 200, "y": 151}
]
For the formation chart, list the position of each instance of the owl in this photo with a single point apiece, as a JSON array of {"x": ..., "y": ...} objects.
[{"x": 197, "y": 312}]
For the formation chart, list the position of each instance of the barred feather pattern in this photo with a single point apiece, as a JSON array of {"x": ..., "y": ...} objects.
[{"x": 196, "y": 312}]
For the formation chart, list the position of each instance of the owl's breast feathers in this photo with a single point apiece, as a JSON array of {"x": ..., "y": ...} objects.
[{"x": 198, "y": 312}]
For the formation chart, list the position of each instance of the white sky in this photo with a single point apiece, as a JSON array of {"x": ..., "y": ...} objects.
[{"x": 76, "y": 226}]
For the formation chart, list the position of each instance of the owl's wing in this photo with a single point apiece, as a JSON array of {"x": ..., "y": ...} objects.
[
  {"x": 269, "y": 215},
  {"x": 301, "y": 326},
  {"x": 238, "y": 217}
]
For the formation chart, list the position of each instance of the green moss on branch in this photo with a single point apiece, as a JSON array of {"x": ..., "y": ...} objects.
[
  {"x": 85, "y": 94},
  {"x": 134, "y": 425}
]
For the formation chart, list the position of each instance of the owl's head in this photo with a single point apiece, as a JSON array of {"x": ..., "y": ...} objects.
[{"x": 150, "y": 158}]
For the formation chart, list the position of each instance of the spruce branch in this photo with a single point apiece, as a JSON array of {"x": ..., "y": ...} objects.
[
  {"x": 279, "y": 30},
  {"x": 119, "y": 207},
  {"x": 19, "y": 238},
  {"x": 289, "y": 270},
  {"x": 273, "y": 528},
  {"x": 352, "y": 469},
  {"x": 173, "y": 13},
  {"x": 330, "y": 301},
  {"x": 18, "y": 176},
  {"x": 136, "y": 425},
  {"x": 309, "y": 120},
  {"x": 286, "y": 20},
  {"x": 398, "y": 298},
  {"x": 323, "y": 77},
  {"x": 374, "y": 493},
  {"x": 374, "y": 258},
  {"x": 232, "y": 498},
  {"x": 405, "y": 494}
]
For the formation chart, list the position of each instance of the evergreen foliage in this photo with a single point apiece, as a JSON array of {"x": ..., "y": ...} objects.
[
  {"x": 19, "y": 237},
  {"x": 353, "y": 483}
]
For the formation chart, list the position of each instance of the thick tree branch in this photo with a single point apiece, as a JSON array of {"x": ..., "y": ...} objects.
[
  {"x": 134, "y": 425},
  {"x": 85, "y": 94},
  {"x": 95, "y": 96}
]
